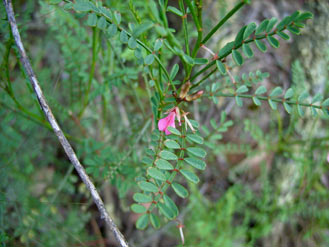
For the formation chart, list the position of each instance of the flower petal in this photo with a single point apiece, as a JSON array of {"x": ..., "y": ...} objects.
[
  {"x": 167, "y": 121},
  {"x": 163, "y": 123},
  {"x": 171, "y": 125}
]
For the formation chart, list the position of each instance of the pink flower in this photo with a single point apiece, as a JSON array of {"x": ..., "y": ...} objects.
[{"x": 169, "y": 120}]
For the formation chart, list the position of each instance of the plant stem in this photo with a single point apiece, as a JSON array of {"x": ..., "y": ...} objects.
[
  {"x": 149, "y": 50},
  {"x": 182, "y": 8},
  {"x": 92, "y": 70},
  {"x": 165, "y": 185},
  {"x": 199, "y": 30},
  {"x": 223, "y": 56},
  {"x": 222, "y": 21},
  {"x": 28, "y": 115},
  {"x": 266, "y": 98},
  {"x": 199, "y": 6}
]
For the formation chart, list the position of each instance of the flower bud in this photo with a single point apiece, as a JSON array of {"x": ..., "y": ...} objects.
[
  {"x": 184, "y": 90},
  {"x": 194, "y": 96}
]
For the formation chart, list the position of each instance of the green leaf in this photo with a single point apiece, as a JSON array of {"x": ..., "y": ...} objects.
[
  {"x": 239, "y": 38},
  {"x": 247, "y": 50},
  {"x": 260, "y": 45},
  {"x": 303, "y": 96},
  {"x": 156, "y": 174},
  {"x": 147, "y": 186},
  {"x": 283, "y": 35},
  {"x": 139, "y": 179},
  {"x": 215, "y": 100},
  {"x": 273, "y": 41},
  {"x": 155, "y": 133},
  {"x": 293, "y": 30},
  {"x": 142, "y": 222},
  {"x": 168, "y": 155},
  {"x": 221, "y": 67},
  {"x": 326, "y": 111},
  {"x": 171, "y": 144},
  {"x": 196, "y": 163},
  {"x": 289, "y": 93},
  {"x": 284, "y": 22},
  {"x": 242, "y": 89},
  {"x": 271, "y": 24},
  {"x": 171, "y": 204},
  {"x": 166, "y": 211},
  {"x": 299, "y": 25},
  {"x": 106, "y": 12},
  {"x": 317, "y": 98},
  {"x": 249, "y": 30},
  {"x": 314, "y": 112},
  {"x": 92, "y": 20},
  {"x": 238, "y": 101},
  {"x": 138, "y": 209},
  {"x": 180, "y": 190},
  {"x": 158, "y": 44},
  {"x": 175, "y": 11},
  {"x": 174, "y": 131},
  {"x": 112, "y": 30},
  {"x": 287, "y": 107},
  {"x": 124, "y": 37},
  {"x": 101, "y": 23},
  {"x": 149, "y": 59},
  {"x": 276, "y": 92},
  {"x": 200, "y": 61},
  {"x": 83, "y": 6},
  {"x": 67, "y": 6},
  {"x": 195, "y": 138},
  {"x": 55, "y": 1},
  {"x": 161, "y": 31},
  {"x": 213, "y": 124},
  {"x": 304, "y": 16},
  {"x": 205, "y": 130},
  {"x": 155, "y": 221},
  {"x": 174, "y": 71},
  {"x": 325, "y": 103},
  {"x": 190, "y": 176},
  {"x": 272, "y": 104},
  {"x": 237, "y": 57},
  {"x": 142, "y": 28},
  {"x": 142, "y": 198},
  {"x": 163, "y": 164},
  {"x": 261, "y": 90},
  {"x": 262, "y": 27},
  {"x": 294, "y": 16},
  {"x": 300, "y": 110},
  {"x": 199, "y": 152},
  {"x": 188, "y": 59},
  {"x": 146, "y": 160},
  {"x": 132, "y": 44},
  {"x": 117, "y": 17},
  {"x": 226, "y": 49},
  {"x": 256, "y": 101}
]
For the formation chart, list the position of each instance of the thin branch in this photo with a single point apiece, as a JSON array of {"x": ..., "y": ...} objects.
[
  {"x": 59, "y": 133},
  {"x": 222, "y": 21},
  {"x": 209, "y": 65}
]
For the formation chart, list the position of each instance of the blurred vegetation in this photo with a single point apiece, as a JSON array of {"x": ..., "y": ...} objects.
[{"x": 267, "y": 176}]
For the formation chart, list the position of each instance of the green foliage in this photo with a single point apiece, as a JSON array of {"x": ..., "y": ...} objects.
[
  {"x": 169, "y": 157},
  {"x": 110, "y": 71}
]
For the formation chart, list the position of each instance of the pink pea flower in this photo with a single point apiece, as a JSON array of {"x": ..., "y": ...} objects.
[
  {"x": 328, "y": 157},
  {"x": 169, "y": 121}
]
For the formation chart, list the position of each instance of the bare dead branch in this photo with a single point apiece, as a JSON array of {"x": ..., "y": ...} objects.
[{"x": 59, "y": 133}]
